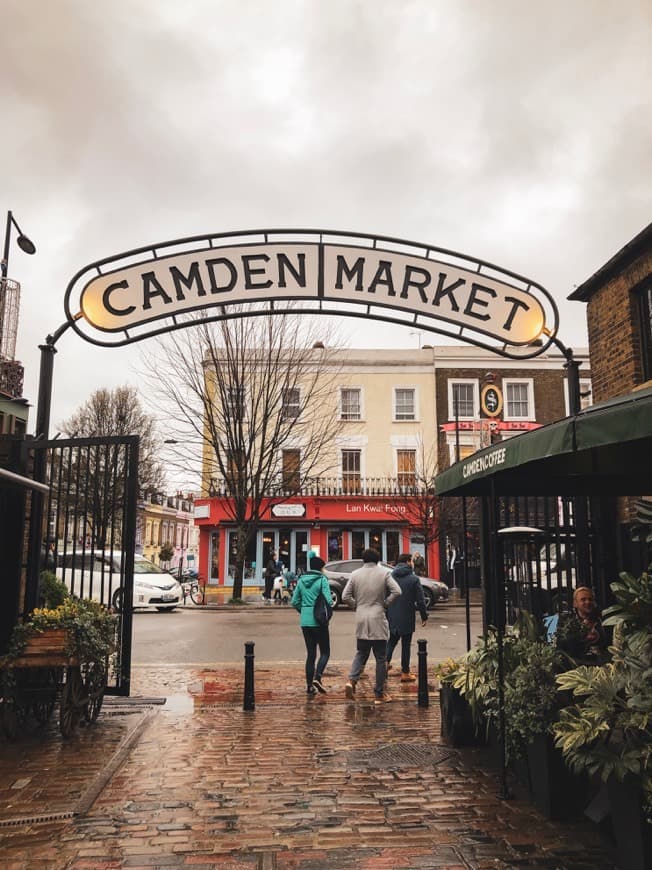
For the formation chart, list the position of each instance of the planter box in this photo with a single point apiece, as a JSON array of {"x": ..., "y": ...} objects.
[
  {"x": 633, "y": 836},
  {"x": 44, "y": 649},
  {"x": 456, "y": 720},
  {"x": 555, "y": 790}
]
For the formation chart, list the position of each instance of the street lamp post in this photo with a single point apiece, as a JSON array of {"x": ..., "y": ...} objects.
[{"x": 26, "y": 245}]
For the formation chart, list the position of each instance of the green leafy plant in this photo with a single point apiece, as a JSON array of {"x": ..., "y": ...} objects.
[
  {"x": 166, "y": 553},
  {"x": 608, "y": 730},
  {"x": 53, "y": 591},
  {"x": 530, "y": 667},
  {"x": 90, "y": 629}
]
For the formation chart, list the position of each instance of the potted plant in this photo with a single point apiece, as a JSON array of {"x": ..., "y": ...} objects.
[
  {"x": 607, "y": 732},
  {"x": 86, "y": 630},
  {"x": 470, "y": 710},
  {"x": 457, "y": 727}
]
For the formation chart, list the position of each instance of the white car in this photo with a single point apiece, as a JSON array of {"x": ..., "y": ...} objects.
[{"x": 98, "y": 576}]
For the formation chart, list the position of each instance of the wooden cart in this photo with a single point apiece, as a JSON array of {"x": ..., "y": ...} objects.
[{"x": 31, "y": 683}]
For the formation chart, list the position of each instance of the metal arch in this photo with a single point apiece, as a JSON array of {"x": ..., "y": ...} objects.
[{"x": 378, "y": 310}]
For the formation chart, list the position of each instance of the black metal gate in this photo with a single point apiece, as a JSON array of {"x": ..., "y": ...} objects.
[
  {"x": 540, "y": 571},
  {"x": 84, "y": 529}
]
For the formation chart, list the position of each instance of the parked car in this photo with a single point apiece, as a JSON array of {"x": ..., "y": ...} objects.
[
  {"x": 97, "y": 575},
  {"x": 338, "y": 574}
]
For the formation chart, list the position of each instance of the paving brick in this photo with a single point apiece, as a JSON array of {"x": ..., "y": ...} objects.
[{"x": 221, "y": 800}]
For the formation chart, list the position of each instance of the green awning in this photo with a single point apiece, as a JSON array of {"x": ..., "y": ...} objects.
[{"x": 604, "y": 450}]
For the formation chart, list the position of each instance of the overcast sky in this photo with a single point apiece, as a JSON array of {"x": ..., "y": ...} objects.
[{"x": 517, "y": 133}]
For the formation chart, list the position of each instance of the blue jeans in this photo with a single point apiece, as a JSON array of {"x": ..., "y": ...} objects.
[
  {"x": 364, "y": 647},
  {"x": 316, "y": 637}
]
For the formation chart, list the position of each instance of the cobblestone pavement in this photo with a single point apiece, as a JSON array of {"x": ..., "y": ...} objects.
[{"x": 298, "y": 784}]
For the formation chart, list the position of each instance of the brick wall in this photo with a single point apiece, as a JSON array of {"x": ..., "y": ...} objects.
[{"x": 614, "y": 334}]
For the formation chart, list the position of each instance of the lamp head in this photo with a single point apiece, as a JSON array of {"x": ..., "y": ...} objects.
[{"x": 26, "y": 244}]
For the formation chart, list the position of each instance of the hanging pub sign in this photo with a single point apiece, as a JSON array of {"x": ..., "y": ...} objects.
[
  {"x": 162, "y": 287},
  {"x": 491, "y": 401}
]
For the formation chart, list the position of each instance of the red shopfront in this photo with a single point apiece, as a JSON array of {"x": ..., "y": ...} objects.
[{"x": 335, "y": 527}]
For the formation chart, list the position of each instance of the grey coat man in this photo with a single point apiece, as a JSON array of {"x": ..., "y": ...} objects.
[{"x": 370, "y": 590}]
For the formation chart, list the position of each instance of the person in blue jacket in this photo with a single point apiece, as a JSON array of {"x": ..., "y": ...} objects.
[
  {"x": 315, "y": 636},
  {"x": 401, "y": 614}
]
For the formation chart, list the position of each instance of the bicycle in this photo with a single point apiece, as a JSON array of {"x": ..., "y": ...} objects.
[{"x": 192, "y": 589}]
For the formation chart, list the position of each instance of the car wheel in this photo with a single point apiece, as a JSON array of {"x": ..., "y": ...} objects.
[
  {"x": 429, "y": 599},
  {"x": 166, "y": 609},
  {"x": 336, "y": 598},
  {"x": 117, "y": 600}
]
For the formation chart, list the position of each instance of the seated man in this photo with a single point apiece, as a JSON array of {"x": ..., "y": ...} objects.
[{"x": 581, "y": 633}]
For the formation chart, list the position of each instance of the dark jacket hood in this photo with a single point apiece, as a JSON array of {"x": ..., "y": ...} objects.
[{"x": 402, "y": 570}]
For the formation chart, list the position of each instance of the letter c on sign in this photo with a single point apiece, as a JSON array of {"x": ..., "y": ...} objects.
[{"x": 106, "y": 296}]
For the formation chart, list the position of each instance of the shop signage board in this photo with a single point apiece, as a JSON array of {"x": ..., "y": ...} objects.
[
  {"x": 159, "y": 288},
  {"x": 289, "y": 510}
]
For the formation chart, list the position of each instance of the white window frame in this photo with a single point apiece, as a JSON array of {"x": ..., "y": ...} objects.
[
  {"x": 362, "y": 409},
  {"x": 585, "y": 385},
  {"x": 295, "y": 406},
  {"x": 352, "y": 448},
  {"x": 451, "y": 398},
  {"x": 415, "y": 405},
  {"x": 466, "y": 439},
  {"x": 531, "y": 411},
  {"x": 412, "y": 449},
  {"x": 286, "y": 448}
]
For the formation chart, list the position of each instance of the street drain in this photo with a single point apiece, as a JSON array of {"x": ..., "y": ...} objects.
[
  {"x": 390, "y": 755},
  {"x": 36, "y": 820}
]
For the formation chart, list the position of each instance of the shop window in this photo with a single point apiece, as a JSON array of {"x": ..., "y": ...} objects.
[
  {"x": 358, "y": 544},
  {"x": 406, "y": 465},
  {"x": 519, "y": 400},
  {"x": 392, "y": 546},
  {"x": 351, "y": 477},
  {"x": 376, "y": 541},
  {"x": 462, "y": 400},
  {"x": 645, "y": 319},
  {"x": 334, "y": 545},
  {"x": 291, "y": 460},
  {"x": 404, "y": 404},
  {"x": 291, "y": 404},
  {"x": 215, "y": 557},
  {"x": 351, "y": 403}
]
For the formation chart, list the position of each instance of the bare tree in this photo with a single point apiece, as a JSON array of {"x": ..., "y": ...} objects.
[
  {"x": 257, "y": 397},
  {"x": 98, "y": 474}
]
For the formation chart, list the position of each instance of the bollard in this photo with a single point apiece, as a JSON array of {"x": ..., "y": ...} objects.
[
  {"x": 249, "y": 695},
  {"x": 423, "y": 699}
]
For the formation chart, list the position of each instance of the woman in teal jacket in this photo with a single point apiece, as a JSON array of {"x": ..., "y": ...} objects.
[{"x": 308, "y": 587}]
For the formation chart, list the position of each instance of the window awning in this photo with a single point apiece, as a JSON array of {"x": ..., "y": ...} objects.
[{"x": 604, "y": 450}]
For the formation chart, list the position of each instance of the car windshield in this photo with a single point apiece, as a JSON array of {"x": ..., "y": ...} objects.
[{"x": 142, "y": 566}]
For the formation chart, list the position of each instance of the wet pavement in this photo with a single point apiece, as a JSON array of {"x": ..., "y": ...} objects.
[{"x": 297, "y": 784}]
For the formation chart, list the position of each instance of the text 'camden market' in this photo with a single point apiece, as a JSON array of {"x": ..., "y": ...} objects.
[{"x": 116, "y": 300}]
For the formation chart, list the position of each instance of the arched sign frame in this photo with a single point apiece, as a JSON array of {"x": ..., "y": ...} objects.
[{"x": 159, "y": 288}]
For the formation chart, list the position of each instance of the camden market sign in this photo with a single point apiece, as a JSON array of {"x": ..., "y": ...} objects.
[{"x": 159, "y": 288}]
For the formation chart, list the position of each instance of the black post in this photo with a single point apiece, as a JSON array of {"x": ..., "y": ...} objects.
[
  {"x": 249, "y": 695},
  {"x": 467, "y": 592},
  {"x": 423, "y": 699},
  {"x": 35, "y": 539},
  {"x": 499, "y": 617}
]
